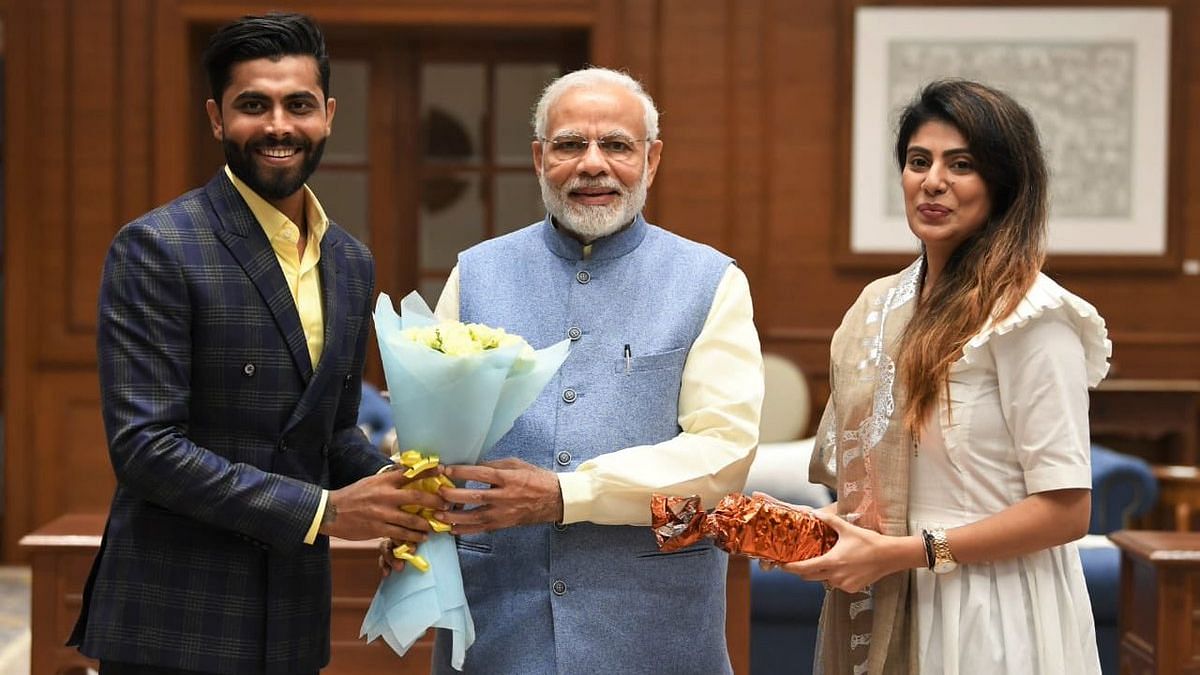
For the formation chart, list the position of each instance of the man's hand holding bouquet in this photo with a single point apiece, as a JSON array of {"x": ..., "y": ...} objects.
[{"x": 455, "y": 390}]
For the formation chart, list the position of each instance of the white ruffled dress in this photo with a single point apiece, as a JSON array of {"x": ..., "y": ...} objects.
[{"x": 1017, "y": 425}]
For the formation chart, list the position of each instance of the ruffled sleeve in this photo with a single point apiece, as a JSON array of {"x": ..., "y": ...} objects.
[
  {"x": 1046, "y": 355},
  {"x": 1047, "y": 296}
]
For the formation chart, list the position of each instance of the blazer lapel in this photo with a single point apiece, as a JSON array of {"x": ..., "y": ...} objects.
[
  {"x": 245, "y": 239},
  {"x": 334, "y": 306}
]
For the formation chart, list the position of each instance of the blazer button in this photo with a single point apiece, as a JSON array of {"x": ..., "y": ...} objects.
[
  {"x": 248, "y": 370},
  {"x": 324, "y": 449},
  {"x": 283, "y": 446},
  {"x": 574, "y": 333},
  {"x": 559, "y": 587},
  {"x": 569, "y": 396},
  {"x": 582, "y": 276},
  {"x": 563, "y": 458}
]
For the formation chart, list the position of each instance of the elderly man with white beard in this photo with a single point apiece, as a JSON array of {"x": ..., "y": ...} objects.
[{"x": 661, "y": 393}]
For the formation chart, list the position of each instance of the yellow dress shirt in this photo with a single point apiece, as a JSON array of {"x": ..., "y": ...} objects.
[
  {"x": 303, "y": 279},
  {"x": 720, "y": 401}
]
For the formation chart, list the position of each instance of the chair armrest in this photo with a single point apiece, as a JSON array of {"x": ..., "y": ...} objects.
[{"x": 1123, "y": 486}]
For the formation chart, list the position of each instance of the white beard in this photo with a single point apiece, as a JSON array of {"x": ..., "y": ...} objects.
[{"x": 592, "y": 222}]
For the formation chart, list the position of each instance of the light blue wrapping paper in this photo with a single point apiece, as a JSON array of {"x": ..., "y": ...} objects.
[{"x": 455, "y": 407}]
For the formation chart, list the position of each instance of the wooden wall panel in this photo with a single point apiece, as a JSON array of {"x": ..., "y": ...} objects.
[
  {"x": 693, "y": 185},
  {"x": 72, "y": 473},
  {"x": 99, "y": 115},
  {"x": 81, "y": 196},
  {"x": 99, "y": 120},
  {"x": 133, "y": 89},
  {"x": 20, "y": 243},
  {"x": 78, "y": 168},
  {"x": 748, "y": 138},
  {"x": 53, "y": 132}
]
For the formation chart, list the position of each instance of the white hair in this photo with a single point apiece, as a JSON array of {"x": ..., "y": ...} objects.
[{"x": 591, "y": 77}]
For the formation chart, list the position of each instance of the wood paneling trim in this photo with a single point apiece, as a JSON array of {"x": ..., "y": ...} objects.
[
  {"x": 607, "y": 32},
  {"x": 135, "y": 157},
  {"x": 1155, "y": 339},
  {"x": 747, "y": 137},
  {"x": 73, "y": 472},
  {"x": 411, "y": 12},
  {"x": 93, "y": 163},
  {"x": 171, "y": 112},
  {"x": 54, "y": 205},
  {"x": 693, "y": 187},
  {"x": 95, "y": 169},
  {"x": 69, "y": 469},
  {"x": 22, "y": 235}
]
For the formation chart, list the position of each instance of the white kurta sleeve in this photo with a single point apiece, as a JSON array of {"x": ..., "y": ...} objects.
[
  {"x": 1043, "y": 384},
  {"x": 720, "y": 401},
  {"x": 448, "y": 304}
]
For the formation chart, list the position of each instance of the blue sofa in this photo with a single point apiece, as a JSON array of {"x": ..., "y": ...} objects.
[{"x": 784, "y": 609}]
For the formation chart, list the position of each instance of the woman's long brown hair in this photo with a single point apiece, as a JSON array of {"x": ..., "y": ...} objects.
[{"x": 989, "y": 273}]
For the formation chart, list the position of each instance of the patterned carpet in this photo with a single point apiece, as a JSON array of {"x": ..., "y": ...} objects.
[{"x": 14, "y": 621}]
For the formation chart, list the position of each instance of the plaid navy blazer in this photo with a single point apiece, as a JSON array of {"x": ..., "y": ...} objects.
[{"x": 221, "y": 436}]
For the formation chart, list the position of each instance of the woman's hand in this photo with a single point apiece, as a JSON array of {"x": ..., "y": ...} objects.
[{"x": 860, "y": 558}]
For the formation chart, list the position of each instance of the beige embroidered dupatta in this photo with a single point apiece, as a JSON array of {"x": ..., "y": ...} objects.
[{"x": 863, "y": 452}]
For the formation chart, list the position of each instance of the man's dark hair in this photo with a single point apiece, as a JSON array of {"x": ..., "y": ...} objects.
[{"x": 271, "y": 36}]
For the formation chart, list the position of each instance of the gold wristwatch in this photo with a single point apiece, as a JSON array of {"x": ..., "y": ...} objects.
[{"x": 943, "y": 559}]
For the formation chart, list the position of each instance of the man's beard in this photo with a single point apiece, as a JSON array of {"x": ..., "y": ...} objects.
[
  {"x": 591, "y": 222},
  {"x": 268, "y": 182}
]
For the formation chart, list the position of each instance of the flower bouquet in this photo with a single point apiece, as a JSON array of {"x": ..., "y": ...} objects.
[{"x": 455, "y": 390}]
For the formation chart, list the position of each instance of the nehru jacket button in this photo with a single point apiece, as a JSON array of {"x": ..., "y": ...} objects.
[
  {"x": 569, "y": 396},
  {"x": 559, "y": 587},
  {"x": 248, "y": 370},
  {"x": 563, "y": 458},
  {"x": 582, "y": 276},
  {"x": 559, "y": 527},
  {"x": 574, "y": 333}
]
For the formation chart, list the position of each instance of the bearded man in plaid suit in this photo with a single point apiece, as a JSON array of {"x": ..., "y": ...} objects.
[{"x": 232, "y": 330}]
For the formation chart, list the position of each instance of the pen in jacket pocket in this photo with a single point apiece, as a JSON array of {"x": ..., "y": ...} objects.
[{"x": 628, "y": 358}]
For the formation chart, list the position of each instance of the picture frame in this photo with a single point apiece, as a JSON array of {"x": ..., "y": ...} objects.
[{"x": 1097, "y": 81}]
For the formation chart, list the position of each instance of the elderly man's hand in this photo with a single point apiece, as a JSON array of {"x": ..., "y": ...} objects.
[{"x": 520, "y": 494}]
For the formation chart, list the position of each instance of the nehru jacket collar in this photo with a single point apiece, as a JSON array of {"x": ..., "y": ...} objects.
[{"x": 606, "y": 248}]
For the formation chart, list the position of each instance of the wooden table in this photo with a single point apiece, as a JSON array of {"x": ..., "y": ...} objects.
[
  {"x": 1160, "y": 602},
  {"x": 1158, "y": 420},
  {"x": 62, "y": 553}
]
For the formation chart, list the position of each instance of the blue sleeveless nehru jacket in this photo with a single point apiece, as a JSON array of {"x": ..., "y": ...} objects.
[{"x": 586, "y": 598}]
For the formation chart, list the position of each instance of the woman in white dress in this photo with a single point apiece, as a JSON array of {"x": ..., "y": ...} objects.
[{"x": 956, "y": 435}]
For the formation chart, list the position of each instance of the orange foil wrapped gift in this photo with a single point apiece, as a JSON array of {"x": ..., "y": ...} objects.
[{"x": 749, "y": 526}]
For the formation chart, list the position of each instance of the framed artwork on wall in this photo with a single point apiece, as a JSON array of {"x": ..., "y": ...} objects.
[{"x": 1097, "y": 81}]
